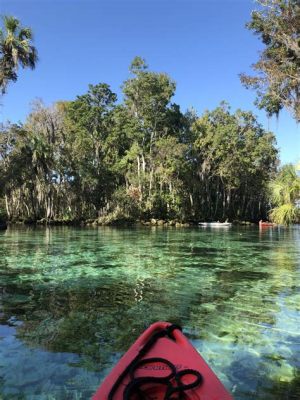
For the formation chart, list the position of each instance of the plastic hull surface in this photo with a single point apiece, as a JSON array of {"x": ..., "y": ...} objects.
[{"x": 181, "y": 353}]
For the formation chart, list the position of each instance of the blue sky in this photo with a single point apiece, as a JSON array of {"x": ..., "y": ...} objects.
[{"x": 202, "y": 44}]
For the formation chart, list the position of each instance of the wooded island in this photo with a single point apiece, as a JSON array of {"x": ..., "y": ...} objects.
[{"x": 98, "y": 159}]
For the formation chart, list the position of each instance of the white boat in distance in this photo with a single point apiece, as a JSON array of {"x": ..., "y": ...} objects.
[{"x": 215, "y": 224}]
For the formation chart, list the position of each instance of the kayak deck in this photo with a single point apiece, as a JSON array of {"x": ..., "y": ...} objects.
[{"x": 150, "y": 373}]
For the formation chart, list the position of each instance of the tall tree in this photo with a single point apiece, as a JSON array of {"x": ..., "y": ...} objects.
[
  {"x": 89, "y": 124},
  {"x": 277, "y": 83},
  {"x": 16, "y": 49},
  {"x": 148, "y": 102},
  {"x": 233, "y": 161}
]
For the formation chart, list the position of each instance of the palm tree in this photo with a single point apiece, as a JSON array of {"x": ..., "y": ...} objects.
[
  {"x": 15, "y": 49},
  {"x": 285, "y": 195}
]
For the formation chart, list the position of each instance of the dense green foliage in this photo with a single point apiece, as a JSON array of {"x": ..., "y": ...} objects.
[
  {"x": 16, "y": 49},
  {"x": 285, "y": 195},
  {"x": 277, "y": 23},
  {"x": 142, "y": 158}
]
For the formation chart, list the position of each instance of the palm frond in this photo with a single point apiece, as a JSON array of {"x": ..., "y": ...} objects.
[
  {"x": 276, "y": 190},
  {"x": 15, "y": 49},
  {"x": 25, "y": 33},
  {"x": 11, "y": 23},
  {"x": 285, "y": 214}
]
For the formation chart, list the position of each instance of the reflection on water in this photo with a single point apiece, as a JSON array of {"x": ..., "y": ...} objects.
[{"x": 73, "y": 300}]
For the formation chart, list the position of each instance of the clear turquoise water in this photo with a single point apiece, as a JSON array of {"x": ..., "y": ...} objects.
[{"x": 73, "y": 300}]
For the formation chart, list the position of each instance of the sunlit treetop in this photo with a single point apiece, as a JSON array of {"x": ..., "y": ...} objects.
[{"x": 277, "y": 79}]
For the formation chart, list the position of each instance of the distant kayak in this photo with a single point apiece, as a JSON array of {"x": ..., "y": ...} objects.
[
  {"x": 215, "y": 224},
  {"x": 162, "y": 365},
  {"x": 266, "y": 224}
]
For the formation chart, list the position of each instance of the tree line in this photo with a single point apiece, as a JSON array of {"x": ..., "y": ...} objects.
[{"x": 99, "y": 158}]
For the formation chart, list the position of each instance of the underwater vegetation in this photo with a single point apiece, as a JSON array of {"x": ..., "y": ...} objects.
[{"x": 73, "y": 300}]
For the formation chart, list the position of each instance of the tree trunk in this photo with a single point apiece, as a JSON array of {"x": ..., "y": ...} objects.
[{"x": 7, "y": 207}]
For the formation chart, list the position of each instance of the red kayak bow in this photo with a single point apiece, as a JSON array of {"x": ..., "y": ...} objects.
[{"x": 162, "y": 365}]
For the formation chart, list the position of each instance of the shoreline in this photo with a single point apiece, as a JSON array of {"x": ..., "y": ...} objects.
[{"x": 121, "y": 222}]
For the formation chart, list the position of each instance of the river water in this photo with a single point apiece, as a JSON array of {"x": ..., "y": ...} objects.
[{"x": 73, "y": 300}]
